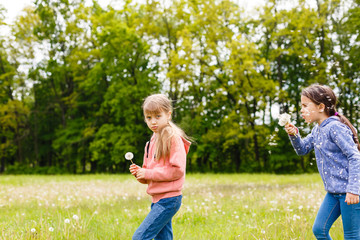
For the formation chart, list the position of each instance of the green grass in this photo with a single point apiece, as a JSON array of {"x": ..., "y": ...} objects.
[{"x": 215, "y": 206}]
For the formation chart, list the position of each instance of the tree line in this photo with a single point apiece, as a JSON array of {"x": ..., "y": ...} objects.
[{"x": 73, "y": 78}]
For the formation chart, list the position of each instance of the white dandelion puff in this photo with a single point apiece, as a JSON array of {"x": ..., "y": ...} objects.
[
  {"x": 129, "y": 156},
  {"x": 33, "y": 230},
  {"x": 284, "y": 119},
  {"x": 51, "y": 229},
  {"x": 67, "y": 220}
]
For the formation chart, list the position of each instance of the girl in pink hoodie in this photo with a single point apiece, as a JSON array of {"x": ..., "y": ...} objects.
[{"x": 163, "y": 168}]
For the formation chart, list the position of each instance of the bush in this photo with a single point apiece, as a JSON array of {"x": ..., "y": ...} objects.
[{"x": 25, "y": 169}]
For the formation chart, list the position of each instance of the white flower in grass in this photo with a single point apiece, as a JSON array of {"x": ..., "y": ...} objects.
[
  {"x": 284, "y": 119},
  {"x": 51, "y": 229},
  {"x": 33, "y": 230},
  {"x": 75, "y": 217},
  {"x": 67, "y": 220}
]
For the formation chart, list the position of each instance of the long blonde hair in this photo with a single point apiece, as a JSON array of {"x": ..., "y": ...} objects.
[{"x": 155, "y": 104}]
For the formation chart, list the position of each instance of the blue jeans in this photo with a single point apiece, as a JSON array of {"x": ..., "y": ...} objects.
[
  {"x": 157, "y": 224},
  {"x": 332, "y": 207}
]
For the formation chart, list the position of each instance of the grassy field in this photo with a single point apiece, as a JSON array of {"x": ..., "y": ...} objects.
[{"x": 226, "y": 206}]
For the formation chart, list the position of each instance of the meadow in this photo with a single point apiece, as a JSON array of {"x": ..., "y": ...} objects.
[{"x": 215, "y": 206}]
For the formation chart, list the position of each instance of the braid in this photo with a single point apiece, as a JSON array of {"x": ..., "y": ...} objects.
[{"x": 346, "y": 121}]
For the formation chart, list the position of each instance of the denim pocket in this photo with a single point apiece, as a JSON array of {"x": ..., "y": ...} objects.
[
  {"x": 357, "y": 206},
  {"x": 172, "y": 203},
  {"x": 177, "y": 203}
]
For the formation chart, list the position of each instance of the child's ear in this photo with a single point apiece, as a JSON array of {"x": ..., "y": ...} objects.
[
  {"x": 321, "y": 107},
  {"x": 169, "y": 115}
]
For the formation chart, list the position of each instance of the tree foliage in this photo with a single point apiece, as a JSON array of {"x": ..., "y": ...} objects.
[{"x": 73, "y": 78}]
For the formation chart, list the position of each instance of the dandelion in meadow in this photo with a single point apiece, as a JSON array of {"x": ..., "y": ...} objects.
[
  {"x": 33, "y": 230},
  {"x": 67, "y": 220},
  {"x": 75, "y": 217},
  {"x": 51, "y": 229},
  {"x": 129, "y": 156}
]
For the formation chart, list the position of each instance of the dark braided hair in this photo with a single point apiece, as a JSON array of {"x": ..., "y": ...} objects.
[{"x": 325, "y": 95}]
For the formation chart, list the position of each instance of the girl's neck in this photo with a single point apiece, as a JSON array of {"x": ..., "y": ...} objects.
[{"x": 322, "y": 118}]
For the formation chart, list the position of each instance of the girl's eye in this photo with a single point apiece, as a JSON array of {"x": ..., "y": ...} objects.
[{"x": 158, "y": 116}]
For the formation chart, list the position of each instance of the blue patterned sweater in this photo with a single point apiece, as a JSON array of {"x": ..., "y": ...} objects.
[{"x": 337, "y": 156}]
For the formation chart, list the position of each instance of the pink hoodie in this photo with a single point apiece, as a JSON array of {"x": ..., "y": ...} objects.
[{"x": 166, "y": 179}]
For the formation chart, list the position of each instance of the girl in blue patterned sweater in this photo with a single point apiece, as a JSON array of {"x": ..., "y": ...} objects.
[{"x": 337, "y": 152}]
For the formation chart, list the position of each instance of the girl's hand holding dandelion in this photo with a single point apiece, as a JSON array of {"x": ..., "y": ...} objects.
[
  {"x": 133, "y": 167},
  {"x": 136, "y": 170},
  {"x": 284, "y": 120}
]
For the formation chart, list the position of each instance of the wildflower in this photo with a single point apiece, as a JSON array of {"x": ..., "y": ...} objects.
[
  {"x": 75, "y": 217},
  {"x": 51, "y": 229},
  {"x": 284, "y": 119},
  {"x": 67, "y": 220},
  {"x": 129, "y": 156},
  {"x": 33, "y": 230}
]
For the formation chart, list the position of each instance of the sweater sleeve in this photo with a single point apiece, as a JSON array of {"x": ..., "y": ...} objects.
[
  {"x": 176, "y": 167},
  {"x": 343, "y": 138},
  {"x": 302, "y": 146}
]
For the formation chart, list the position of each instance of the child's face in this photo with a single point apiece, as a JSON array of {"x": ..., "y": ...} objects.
[
  {"x": 310, "y": 111},
  {"x": 157, "y": 121}
]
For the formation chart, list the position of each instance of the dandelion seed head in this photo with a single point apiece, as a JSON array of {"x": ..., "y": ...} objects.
[
  {"x": 284, "y": 119},
  {"x": 129, "y": 156}
]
